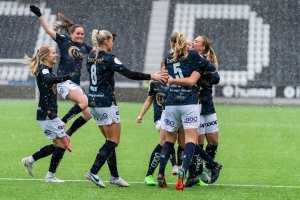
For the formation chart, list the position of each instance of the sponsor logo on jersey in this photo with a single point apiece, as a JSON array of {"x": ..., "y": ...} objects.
[
  {"x": 45, "y": 71},
  {"x": 74, "y": 52}
]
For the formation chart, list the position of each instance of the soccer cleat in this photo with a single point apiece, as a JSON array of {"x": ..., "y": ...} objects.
[
  {"x": 215, "y": 172},
  {"x": 207, "y": 170},
  {"x": 118, "y": 181},
  {"x": 191, "y": 182},
  {"x": 69, "y": 148},
  {"x": 161, "y": 181},
  {"x": 205, "y": 178},
  {"x": 95, "y": 179},
  {"x": 202, "y": 184},
  {"x": 180, "y": 175},
  {"x": 28, "y": 165},
  {"x": 149, "y": 180},
  {"x": 174, "y": 170},
  {"x": 53, "y": 179}
]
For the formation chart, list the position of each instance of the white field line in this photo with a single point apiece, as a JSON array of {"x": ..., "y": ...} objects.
[{"x": 133, "y": 182}]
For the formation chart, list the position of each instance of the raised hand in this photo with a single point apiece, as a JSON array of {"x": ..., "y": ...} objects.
[{"x": 35, "y": 10}]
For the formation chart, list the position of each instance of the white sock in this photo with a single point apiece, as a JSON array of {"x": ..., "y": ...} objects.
[
  {"x": 30, "y": 159},
  {"x": 50, "y": 174}
]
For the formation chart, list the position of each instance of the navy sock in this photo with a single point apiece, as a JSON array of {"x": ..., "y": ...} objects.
[
  {"x": 195, "y": 166},
  {"x": 112, "y": 164},
  {"x": 172, "y": 156},
  {"x": 56, "y": 158},
  {"x": 188, "y": 155},
  {"x": 211, "y": 150},
  {"x": 154, "y": 159},
  {"x": 179, "y": 155},
  {"x": 76, "y": 125},
  {"x": 44, "y": 152},
  {"x": 102, "y": 156},
  {"x": 209, "y": 161},
  {"x": 201, "y": 161},
  {"x": 164, "y": 157},
  {"x": 72, "y": 112}
]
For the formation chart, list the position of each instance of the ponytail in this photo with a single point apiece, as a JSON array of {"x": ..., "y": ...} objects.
[
  {"x": 67, "y": 26},
  {"x": 209, "y": 50},
  {"x": 179, "y": 45},
  {"x": 35, "y": 61}
]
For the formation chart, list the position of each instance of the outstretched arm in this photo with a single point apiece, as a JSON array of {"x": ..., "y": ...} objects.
[
  {"x": 144, "y": 109},
  {"x": 36, "y": 10},
  {"x": 161, "y": 77}
]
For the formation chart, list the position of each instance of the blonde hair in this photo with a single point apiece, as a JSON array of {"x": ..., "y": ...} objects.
[
  {"x": 179, "y": 45},
  {"x": 99, "y": 37},
  {"x": 208, "y": 49},
  {"x": 35, "y": 61},
  {"x": 67, "y": 26}
]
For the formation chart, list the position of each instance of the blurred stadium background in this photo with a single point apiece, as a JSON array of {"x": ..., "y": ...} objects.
[{"x": 256, "y": 41}]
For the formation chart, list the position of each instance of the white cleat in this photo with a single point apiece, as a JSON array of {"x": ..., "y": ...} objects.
[
  {"x": 118, "y": 181},
  {"x": 95, "y": 179},
  {"x": 53, "y": 179},
  {"x": 174, "y": 170},
  {"x": 28, "y": 165}
]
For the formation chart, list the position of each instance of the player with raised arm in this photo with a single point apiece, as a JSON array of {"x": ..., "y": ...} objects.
[
  {"x": 72, "y": 51},
  {"x": 101, "y": 67}
]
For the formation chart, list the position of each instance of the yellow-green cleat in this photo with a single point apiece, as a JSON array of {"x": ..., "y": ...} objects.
[
  {"x": 149, "y": 180},
  {"x": 202, "y": 184}
]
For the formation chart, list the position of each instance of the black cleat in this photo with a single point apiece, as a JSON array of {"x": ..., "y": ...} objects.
[
  {"x": 191, "y": 182},
  {"x": 215, "y": 172}
]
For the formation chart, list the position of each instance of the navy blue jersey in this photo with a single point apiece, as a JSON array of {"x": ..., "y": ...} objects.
[
  {"x": 205, "y": 85},
  {"x": 71, "y": 56},
  {"x": 101, "y": 70},
  {"x": 159, "y": 92},
  {"x": 46, "y": 82},
  {"x": 185, "y": 95}
]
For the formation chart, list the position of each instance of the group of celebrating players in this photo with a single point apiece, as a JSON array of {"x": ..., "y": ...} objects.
[{"x": 181, "y": 94}]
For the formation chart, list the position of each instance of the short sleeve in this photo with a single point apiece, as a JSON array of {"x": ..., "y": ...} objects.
[
  {"x": 151, "y": 91},
  {"x": 117, "y": 64},
  {"x": 61, "y": 38}
]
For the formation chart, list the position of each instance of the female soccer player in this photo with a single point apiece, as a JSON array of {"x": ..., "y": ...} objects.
[
  {"x": 72, "y": 51},
  {"x": 157, "y": 95},
  {"x": 182, "y": 105},
  {"x": 207, "y": 77},
  {"x": 209, "y": 124},
  {"x": 41, "y": 64},
  {"x": 102, "y": 102}
]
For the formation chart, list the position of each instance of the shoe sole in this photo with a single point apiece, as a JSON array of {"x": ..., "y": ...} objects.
[
  {"x": 150, "y": 184},
  {"x": 120, "y": 185}
]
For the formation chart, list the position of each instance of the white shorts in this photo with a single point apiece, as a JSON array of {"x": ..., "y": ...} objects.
[
  {"x": 63, "y": 88},
  {"x": 187, "y": 116},
  {"x": 159, "y": 123},
  {"x": 53, "y": 128},
  {"x": 208, "y": 124},
  {"x": 105, "y": 116}
]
